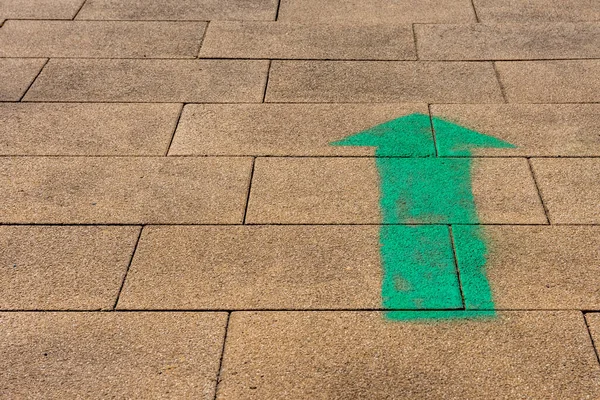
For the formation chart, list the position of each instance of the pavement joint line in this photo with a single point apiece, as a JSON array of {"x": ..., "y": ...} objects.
[
  {"x": 539, "y": 191},
  {"x": 316, "y": 60},
  {"x": 114, "y": 307},
  {"x": 276, "y": 224},
  {"x": 78, "y": 10},
  {"x": 286, "y": 102},
  {"x": 277, "y": 156},
  {"x": 218, "y": 380},
  {"x": 475, "y": 11},
  {"x": 414, "y": 33},
  {"x": 249, "y": 190},
  {"x": 502, "y": 90},
  {"x": 264, "y": 96},
  {"x": 314, "y": 310},
  {"x": 435, "y": 148},
  {"x": 277, "y": 10},
  {"x": 34, "y": 79},
  {"x": 174, "y": 129},
  {"x": 202, "y": 40},
  {"x": 587, "y": 326},
  {"x": 456, "y": 266}
]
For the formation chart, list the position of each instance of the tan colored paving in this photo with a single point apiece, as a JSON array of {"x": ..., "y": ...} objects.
[
  {"x": 86, "y": 129},
  {"x": 110, "y": 355},
  {"x": 63, "y": 267},
  {"x": 40, "y": 9},
  {"x": 535, "y": 129},
  {"x": 123, "y": 190},
  {"x": 285, "y": 129},
  {"x": 250, "y": 39},
  {"x": 16, "y": 74},
  {"x": 593, "y": 321},
  {"x": 150, "y": 81},
  {"x": 107, "y": 39},
  {"x": 570, "y": 189},
  {"x": 508, "y": 41},
  {"x": 368, "y": 81},
  {"x": 361, "y": 355},
  {"x": 565, "y": 81},
  {"x": 537, "y": 10}
]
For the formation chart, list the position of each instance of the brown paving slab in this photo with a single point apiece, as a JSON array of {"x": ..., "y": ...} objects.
[
  {"x": 372, "y": 81},
  {"x": 109, "y": 39},
  {"x": 350, "y": 355},
  {"x": 566, "y": 81},
  {"x": 539, "y": 267},
  {"x": 63, "y": 267},
  {"x": 537, "y": 10},
  {"x": 570, "y": 189},
  {"x": 535, "y": 129},
  {"x": 40, "y": 9},
  {"x": 151, "y": 80},
  {"x": 257, "y": 39},
  {"x": 16, "y": 74},
  {"x": 86, "y": 129},
  {"x": 203, "y": 10},
  {"x": 346, "y": 190},
  {"x": 376, "y": 11},
  {"x": 110, "y": 355},
  {"x": 285, "y": 129},
  {"x": 508, "y": 41},
  {"x": 123, "y": 190}
]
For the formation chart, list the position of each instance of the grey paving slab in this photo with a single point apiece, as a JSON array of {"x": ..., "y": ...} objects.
[
  {"x": 565, "y": 81},
  {"x": 346, "y": 190},
  {"x": 16, "y": 74},
  {"x": 537, "y": 10},
  {"x": 570, "y": 189},
  {"x": 371, "y": 81},
  {"x": 123, "y": 190},
  {"x": 151, "y": 81},
  {"x": 508, "y": 41},
  {"x": 63, "y": 267},
  {"x": 535, "y": 129},
  {"x": 110, "y": 355},
  {"x": 202, "y": 10},
  {"x": 86, "y": 129},
  {"x": 258, "y": 39},
  {"x": 104, "y": 39},
  {"x": 280, "y": 129},
  {"x": 349, "y": 355},
  {"x": 332, "y": 11},
  {"x": 39, "y": 9}
]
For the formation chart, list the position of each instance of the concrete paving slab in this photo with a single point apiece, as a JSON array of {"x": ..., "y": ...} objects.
[
  {"x": 151, "y": 81},
  {"x": 110, "y": 355},
  {"x": 570, "y": 189},
  {"x": 63, "y": 267},
  {"x": 258, "y": 39},
  {"x": 537, "y": 10},
  {"x": 285, "y": 129},
  {"x": 16, "y": 74},
  {"x": 346, "y": 191},
  {"x": 508, "y": 41},
  {"x": 565, "y": 81},
  {"x": 333, "y": 11},
  {"x": 125, "y": 190},
  {"x": 203, "y": 10},
  {"x": 86, "y": 129},
  {"x": 103, "y": 39},
  {"x": 370, "y": 81},
  {"x": 40, "y": 9},
  {"x": 535, "y": 129},
  {"x": 349, "y": 355}
]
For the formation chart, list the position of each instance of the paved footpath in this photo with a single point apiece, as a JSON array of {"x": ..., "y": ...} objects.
[{"x": 299, "y": 199}]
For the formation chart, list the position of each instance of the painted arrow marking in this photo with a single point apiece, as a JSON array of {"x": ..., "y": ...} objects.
[{"x": 428, "y": 194}]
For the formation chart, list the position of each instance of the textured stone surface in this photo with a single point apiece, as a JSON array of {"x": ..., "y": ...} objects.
[
  {"x": 537, "y": 10},
  {"x": 325, "y": 355},
  {"x": 86, "y": 129},
  {"x": 123, "y": 190},
  {"x": 368, "y": 81},
  {"x": 40, "y": 9},
  {"x": 110, "y": 355},
  {"x": 151, "y": 81},
  {"x": 593, "y": 321},
  {"x": 16, "y": 74}
]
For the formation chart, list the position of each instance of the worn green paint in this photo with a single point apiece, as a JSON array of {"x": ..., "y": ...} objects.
[{"x": 419, "y": 188}]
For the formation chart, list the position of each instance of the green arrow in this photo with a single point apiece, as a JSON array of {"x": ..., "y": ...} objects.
[{"x": 428, "y": 194}]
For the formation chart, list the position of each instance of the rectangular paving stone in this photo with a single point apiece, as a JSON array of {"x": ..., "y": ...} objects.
[
  {"x": 199, "y": 10},
  {"x": 257, "y": 39},
  {"x": 110, "y": 355},
  {"x": 63, "y": 267},
  {"x": 151, "y": 81},
  {"x": 123, "y": 190},
  {"x": 346, "y": 191},
  {"x": 570, "y": 189},
  {"x": 352, "y": 355},
  {"x": 406, "y": 11},
  {"x": 537, "y": 10},
  {"x": 16, "y": 74},
  {"x": 104, "y": 39},
  {"x": 508, "y": 41},
  {"x": 40, "y": 9},
  {"x": 372, "y": 81},
  {"x": 535, "y": 129},
  {"x": 565, "y": 81},
  {"x": 86, "y": 129},
  {"x": 284, "y": 129}
]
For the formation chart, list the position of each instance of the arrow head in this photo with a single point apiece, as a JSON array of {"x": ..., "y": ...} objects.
[{"x": 455, "y": 140}]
